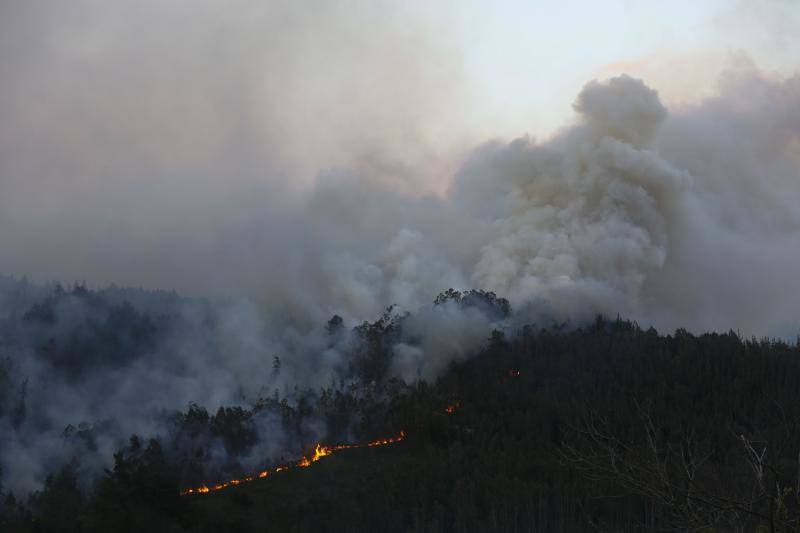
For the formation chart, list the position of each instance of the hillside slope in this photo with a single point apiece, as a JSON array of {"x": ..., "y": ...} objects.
[{"x": 606, "y": 427}]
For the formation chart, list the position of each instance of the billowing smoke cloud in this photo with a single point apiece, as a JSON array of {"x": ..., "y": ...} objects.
[
  {"x": 587, "y": 220},
  {"x": 216, "y": 176},
  {"x": 731, "y": 256},
  {"x": 682, "y": 219}
]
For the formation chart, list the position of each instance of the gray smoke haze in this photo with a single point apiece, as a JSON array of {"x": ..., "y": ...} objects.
[
  {"x": 295, "y": 157},
  {"x": 185, "y": 136},
  {"x": 298, "y": 168},
  {"x": 80, "y": 372}
]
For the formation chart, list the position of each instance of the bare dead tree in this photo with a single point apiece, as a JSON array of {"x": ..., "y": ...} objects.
[{"x": 696, "y": 491}]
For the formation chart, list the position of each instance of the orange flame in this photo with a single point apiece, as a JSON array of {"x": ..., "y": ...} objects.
[
  {"x": 450, "y": 409},
  {"x": 390, "y": 440},
  {"x": 320, "y": 451}
]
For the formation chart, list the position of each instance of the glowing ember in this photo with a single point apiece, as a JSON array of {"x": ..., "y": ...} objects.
[
  {"x": 390, "y": 440},
  {"x": 320, "y": 451},
  {"x": 511, "y": 374},
  {"x": 450, "y": 409}
]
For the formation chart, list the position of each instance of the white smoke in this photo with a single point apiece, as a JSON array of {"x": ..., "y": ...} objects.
[
  {"x": 685, "y": 218},
  {"x": 587, "y": 218}
]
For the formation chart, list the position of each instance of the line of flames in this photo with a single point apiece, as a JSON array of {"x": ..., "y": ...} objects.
[{"x": 320, "y": 451}]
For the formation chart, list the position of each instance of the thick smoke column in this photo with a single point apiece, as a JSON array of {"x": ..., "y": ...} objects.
[
  {"x": 683, "y": 218},
  {"x": 587, "y": 218}
]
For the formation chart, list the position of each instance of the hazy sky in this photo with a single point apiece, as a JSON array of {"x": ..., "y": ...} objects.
[
  {"x": 530, "y": 58},
  {"x": 168, "y": 143}
]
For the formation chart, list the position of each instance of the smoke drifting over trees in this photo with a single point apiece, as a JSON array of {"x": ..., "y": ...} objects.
[{"x": 81, "y": 371}]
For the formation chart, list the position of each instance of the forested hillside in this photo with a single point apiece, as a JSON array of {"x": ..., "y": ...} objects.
[{"x": 606, "y": 426}]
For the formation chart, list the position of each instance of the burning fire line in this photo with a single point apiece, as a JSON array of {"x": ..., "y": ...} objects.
[{"x": 320, "y": 451}]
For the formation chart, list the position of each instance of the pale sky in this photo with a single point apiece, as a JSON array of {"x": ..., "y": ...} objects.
[{"x": 531, "y": 58}]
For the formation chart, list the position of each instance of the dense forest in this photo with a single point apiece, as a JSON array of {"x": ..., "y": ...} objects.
[{"x": 555, "y": 427}]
